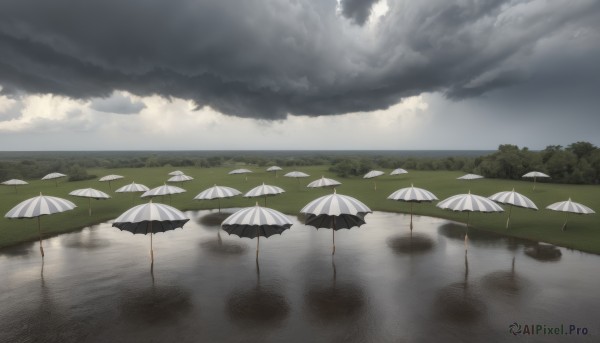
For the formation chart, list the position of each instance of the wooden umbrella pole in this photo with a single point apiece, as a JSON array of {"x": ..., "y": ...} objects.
[
  {"x": 40, "y": 232},
  {"x": 566, "y": 219},
  {"x": 508, "y": 220},
  {"x": 90, "y": 206},
  {"x": 534, "y": 183},
  {"x": 219, "y": 202}
]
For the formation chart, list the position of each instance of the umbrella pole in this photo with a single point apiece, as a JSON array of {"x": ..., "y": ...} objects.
[
  {"x": 333, "y": 235},
  {"x": 40, "y": 232},
  {"x": 219, "y": 202},
  {"x": 534, "y": 183},
  {"x": 151, "y": 250},
  {"x": 90, "y": 206},
  {"x": 265, "y": 200},
  {"x": 411, "y": 213},
  {"x": 257, "y": 243},
  {"x": 566, "y": 218},
  {"x": 16, "y": 189},
  {"x": 509, "y": 212},
  {"x": 467, "y": 233}
]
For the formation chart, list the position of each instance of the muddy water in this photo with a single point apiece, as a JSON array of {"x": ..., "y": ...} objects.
[{"x": 383, "y": 285}]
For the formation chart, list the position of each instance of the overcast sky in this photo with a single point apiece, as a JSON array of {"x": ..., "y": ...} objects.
[{"x": 298, "y": 74}]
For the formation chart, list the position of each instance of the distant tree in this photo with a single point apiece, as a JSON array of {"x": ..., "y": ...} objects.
[{"x": 581, "y": 149}]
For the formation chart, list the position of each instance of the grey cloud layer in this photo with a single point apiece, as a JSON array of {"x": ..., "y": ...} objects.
[{"x": 268, "y": 58}]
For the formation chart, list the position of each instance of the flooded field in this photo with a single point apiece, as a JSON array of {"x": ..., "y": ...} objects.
[{"x": 382, "y": 285}]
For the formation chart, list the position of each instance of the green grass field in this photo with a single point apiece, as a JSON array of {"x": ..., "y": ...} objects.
[{"x": 583, "y": 232}]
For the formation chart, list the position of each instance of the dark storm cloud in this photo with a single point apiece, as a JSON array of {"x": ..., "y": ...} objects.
[
  {"x": 357, "y": 10},
  {"x": 118, "y": 104},
  {"x": 268, "y": 58}
]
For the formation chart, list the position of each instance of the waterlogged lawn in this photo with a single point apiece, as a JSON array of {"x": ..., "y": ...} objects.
[{"x": 583, "y": 232}]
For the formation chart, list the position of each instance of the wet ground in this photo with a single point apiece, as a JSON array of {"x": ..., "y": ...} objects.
[{"x": 383, "y": 285}]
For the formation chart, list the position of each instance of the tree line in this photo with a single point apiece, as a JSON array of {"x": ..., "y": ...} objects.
[{"x": 576, "y": 163}]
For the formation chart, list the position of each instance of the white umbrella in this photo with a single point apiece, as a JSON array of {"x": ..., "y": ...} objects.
[
  {"x": 241, "y": 171},
  {"x": 217, "y": 192},
  {"x": 373, "y": 174},
  {"x": 163, "y": 190},
  {"x": 297, "y": 175},
  {"x": 15, "y": 183},
  {"x": 412, "y": 194},
  {"x": 470, "y": 177},
  {"x": 176, "y": 172},
  {"x": 180, "y": 178},
  {"x": 335, "y": 211},
  {"x": 323, "y": 182},
  {"x": 513, "y": 198},
  {"x": 274, "y": 169},
  {"x": 535, "y": 175},
  {"x": 150, "y": 218},
  {"x": 398, "y": 171},
  {"x": 263, "y": 191},
  {"x": 569, "y": 207},
  {"x": 469, "y": 203},
  {"x": 39, "y": 206},
  {"x": 132, "y": 188},
  {"x": 109, "y": 178},
  {"x": 90, "y": 193},
  {"x": 256, "y": 221},
  {"x": 53, "y": 176}
]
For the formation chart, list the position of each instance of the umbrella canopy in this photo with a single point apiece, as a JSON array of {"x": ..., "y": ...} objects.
[
  {"x": 90, "y": 193},
  {"x": 150, "y": 218},
  {"x": 263, "y": 191},
  {"x": 241, "y": 171},
  {"x": 132, "y": 188},
  {"x": 535, "y": 175},
  {"x": 163, "y": 190},
  {"x": 256, "y": 221},
  {"x": 335, "y": 211},
  {"x": 398, "y": 171},
  {"x": 53, "y": 176},
  {"x": 469, "y": 203},
  {"x": 296, "y": 174},
  {"x": 323, "y": 182},
  {"x": 412, "y": 194},
  {"x": 569, "y": 207},
  {"x": 513, "y": 198},
  {"x": 109, "y": 178},
  {"x": 15, "y": 183},
  {"x": 39, "y": 206},
  {"x": 180, "y": 178},
  {"x": 274, "y": 169},
  {"x": 470, "y": 177},
  {"x": 217, "y": 192},
  {"x": 373, "y": 174},
  {"x": 176, "y": 172}
]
